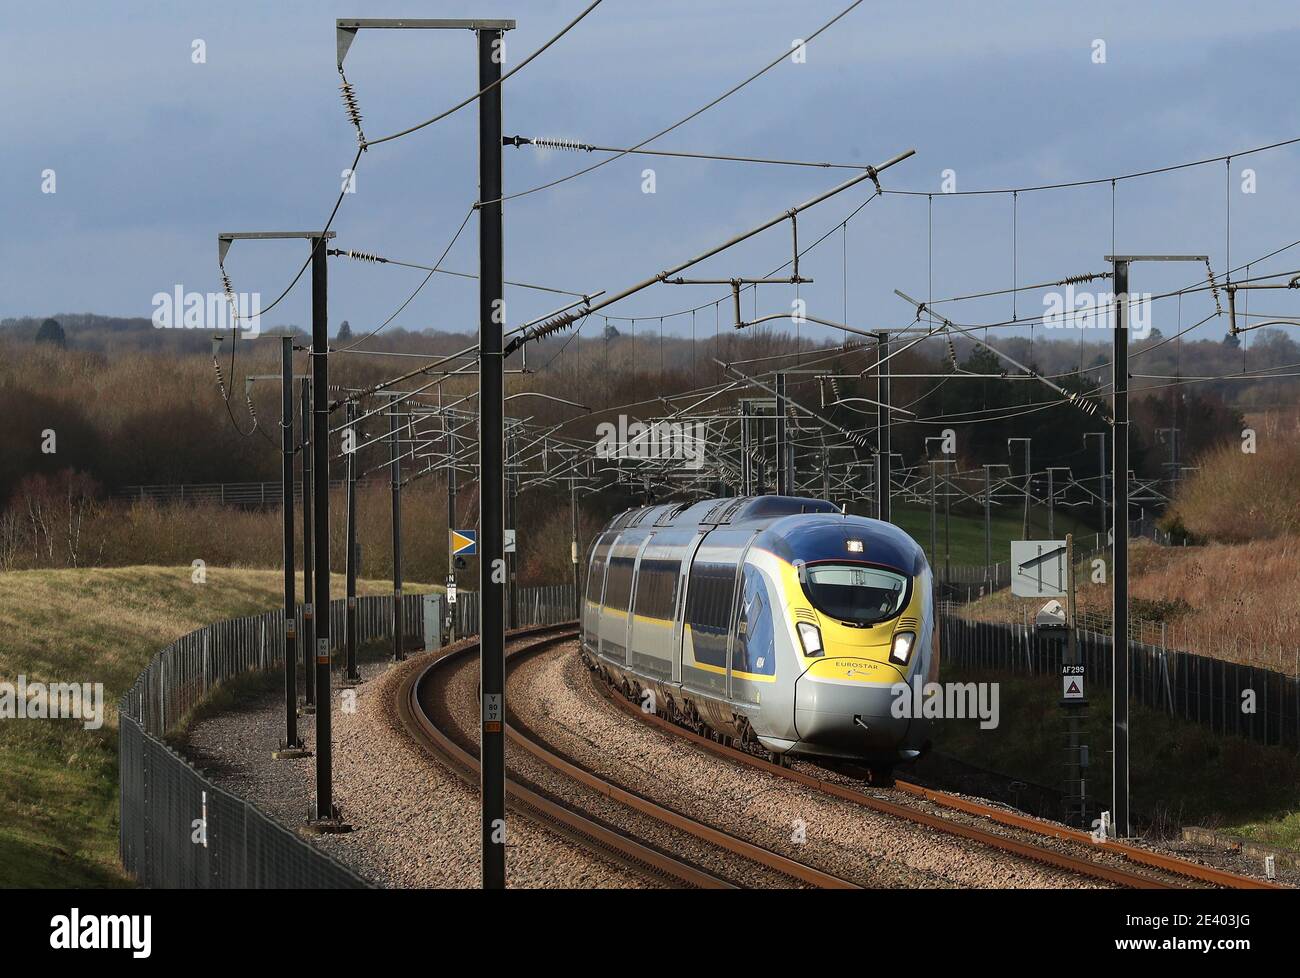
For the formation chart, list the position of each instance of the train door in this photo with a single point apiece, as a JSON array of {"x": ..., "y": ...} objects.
[
  {"x": 595, "y": 594},
  {"x": 658, "y": 582},
  {"x": 753, "y": 656},
  {"x": 750, "y": 655},
  {"x": 631, "y": 599},
  {"x": 710, "y": 601},
  {"x": 616, "y": 609},
  {"x": 679, "y": 616}
]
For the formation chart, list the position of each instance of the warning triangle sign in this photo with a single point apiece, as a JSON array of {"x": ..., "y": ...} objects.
[{"x": 1073, "y": 689}]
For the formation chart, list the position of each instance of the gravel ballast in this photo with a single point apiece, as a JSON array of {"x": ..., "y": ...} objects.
[
  {"x": 554, "y": 694},
  {"x": 415, "y": 823}
]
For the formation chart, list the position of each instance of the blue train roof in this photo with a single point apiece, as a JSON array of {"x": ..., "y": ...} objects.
[
  {"x": 797, "y": 528},
  {"x": 812, "y": 539},
  {"x": 719, "y": 512}
]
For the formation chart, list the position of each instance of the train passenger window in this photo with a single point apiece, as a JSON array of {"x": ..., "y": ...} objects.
[
  {"x": 619, "y": 588},
  {"x": 855, "y": 593},
  {"x": 656, "y": 588},
  {"x": 708, "y": 596},
  {"x": 596, "y": 573}
]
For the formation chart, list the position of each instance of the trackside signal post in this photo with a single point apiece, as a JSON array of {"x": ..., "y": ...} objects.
[
  {"x": 1075, "y": 703},
  {"x": 451, "y": 522},
  {"x": 1045, "y": 569},
  {"x": 292, "y": 745},
  {"x": 308, "y": 642}
]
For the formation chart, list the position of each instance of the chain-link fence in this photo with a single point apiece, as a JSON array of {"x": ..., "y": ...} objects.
[
  {"x": 1259, "y": 704},
  {"x": 178, "y": 829}
]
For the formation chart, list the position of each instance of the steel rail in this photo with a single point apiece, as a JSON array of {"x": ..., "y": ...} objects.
[
  {"x": 1157, "y": 860},
  {"x": 1074, "y": 864},
  {"x": 523, "y": 737},
  {"x": 412, "y": 696}
]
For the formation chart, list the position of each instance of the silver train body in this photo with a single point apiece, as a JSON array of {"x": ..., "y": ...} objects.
[{"x": 772, "y": 619}]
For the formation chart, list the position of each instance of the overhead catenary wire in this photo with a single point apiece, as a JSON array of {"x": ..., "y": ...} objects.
[
  {"x": 487, "y": 88},
  {"x": 563, "y": 320},
  {"x": 576, "y": 146},
  {"x": 685, "y": 119},
  {"x": 419, "y": 288},
  {"x": 1096, "y": 181},
  {"x": 1090, "y": 276},
  {"x": 372, "y": 257},
  {"x": 350, "y": 104},
  {"x": 840, "y": 224}
]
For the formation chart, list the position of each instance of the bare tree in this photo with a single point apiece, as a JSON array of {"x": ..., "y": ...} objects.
[
  {"x": 11, "y": 537},
  {"x": 66, "y": 501},
  {"x": 79, "y": 492},
  {"x": 34, "y": 491}
]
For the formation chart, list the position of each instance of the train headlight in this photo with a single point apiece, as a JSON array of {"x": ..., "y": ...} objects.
[
  {"x": 810, "y": 636},
  {"x": 901, "y": 650}
]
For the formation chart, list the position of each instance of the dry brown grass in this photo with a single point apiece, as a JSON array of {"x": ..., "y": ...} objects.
[
  {"x": 1238, "y": 496},
  {"x": 125, "y": 533},
  {"x": 1237, "y": 602}
]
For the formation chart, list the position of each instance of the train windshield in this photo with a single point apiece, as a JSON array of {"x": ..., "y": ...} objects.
[{"x": 855, "y": 594}]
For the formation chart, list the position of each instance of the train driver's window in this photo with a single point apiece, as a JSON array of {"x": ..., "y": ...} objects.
[{"x": 856, "y": 594}]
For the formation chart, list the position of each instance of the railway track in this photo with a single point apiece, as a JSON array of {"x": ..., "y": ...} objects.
[
  {"x": 425, "y": 712},
  {"x": 424, "y": 709},
  {"x": 1184, "y": 872}
]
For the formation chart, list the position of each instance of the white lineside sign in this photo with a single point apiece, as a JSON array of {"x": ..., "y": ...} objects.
[{"x": 1039, "y": 568}]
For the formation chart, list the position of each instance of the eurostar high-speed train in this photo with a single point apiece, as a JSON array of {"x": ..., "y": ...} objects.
[{"x": 768, "y": 619}]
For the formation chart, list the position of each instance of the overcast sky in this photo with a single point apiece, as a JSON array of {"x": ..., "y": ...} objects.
[{"x": 153, "y": 154}]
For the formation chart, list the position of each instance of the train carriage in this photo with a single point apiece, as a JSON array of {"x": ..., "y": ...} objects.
[{"x": 774, "y": 620}]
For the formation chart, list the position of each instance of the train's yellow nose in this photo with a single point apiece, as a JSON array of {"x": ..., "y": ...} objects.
[{"x": 855, "y": 669}]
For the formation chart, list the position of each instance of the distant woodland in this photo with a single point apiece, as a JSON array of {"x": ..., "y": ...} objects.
[{"x": 128, "y": 404}]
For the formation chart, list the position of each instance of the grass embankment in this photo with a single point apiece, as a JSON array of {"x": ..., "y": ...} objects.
[
  {"x": 966, "y": 530},
  {"x": 1236, "y": 496},
  {"x": 58, "y": 798},
  {"x": 1237, "y": 602},
  {"x": 1180, "y": 773}
]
